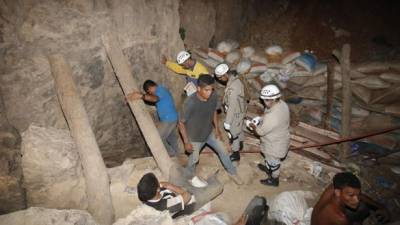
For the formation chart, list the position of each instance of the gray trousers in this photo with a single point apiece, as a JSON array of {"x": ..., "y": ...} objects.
[
  {"x": 169, "y": 137},
  {"x": 235, "y": 145}
]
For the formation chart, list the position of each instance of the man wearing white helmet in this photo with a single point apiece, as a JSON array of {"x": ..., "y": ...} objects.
[
  {"x": 273, "y": 132},
  {"x": 185, "y": 65},
  {"x": 235, "y": 106}
]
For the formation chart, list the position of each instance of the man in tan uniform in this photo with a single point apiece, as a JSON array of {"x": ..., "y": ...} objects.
[
  {"x": 235, "y": 106},
  {"x": 273, "y": 133}
]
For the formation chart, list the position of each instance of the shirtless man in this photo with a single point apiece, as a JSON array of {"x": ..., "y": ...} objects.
[{"x": 342, "y": 203}]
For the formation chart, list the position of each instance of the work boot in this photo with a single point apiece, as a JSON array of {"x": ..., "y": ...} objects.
[
  {"x": 263, "y": 168},
  {"x": 270, "y": 181},
  {"x": 235, "y": 156}
]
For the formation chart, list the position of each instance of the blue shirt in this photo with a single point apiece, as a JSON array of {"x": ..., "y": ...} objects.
[{"x": 165, "y": 106}]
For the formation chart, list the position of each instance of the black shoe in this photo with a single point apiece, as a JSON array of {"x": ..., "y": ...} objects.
[
  {"x": 263, "y": 168},
  {"x": 235, "y": 156},
  {"x": 270, "y": 182}
]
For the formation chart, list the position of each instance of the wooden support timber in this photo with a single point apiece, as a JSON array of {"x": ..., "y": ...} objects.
[
  {"x": 96, "y": 177},
  {"x": 146, "y": 124}
]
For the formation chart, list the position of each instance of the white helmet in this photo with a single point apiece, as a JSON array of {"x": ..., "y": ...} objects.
[
  {"x": 221, "y": 69},
  {"x": 270, "y": 91},
  {"x": 182, "y": 57}
]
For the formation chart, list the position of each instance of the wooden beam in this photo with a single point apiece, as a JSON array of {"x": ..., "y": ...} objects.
[
  {"x": 329, "y": 95},
  {"x": 344, "y": 59},
  {"x": 96, "y": 177},
  {"x": 128, "y": 84}
]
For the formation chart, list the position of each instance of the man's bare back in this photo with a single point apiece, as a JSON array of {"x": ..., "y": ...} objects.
[{"x": 329, "y": 214}]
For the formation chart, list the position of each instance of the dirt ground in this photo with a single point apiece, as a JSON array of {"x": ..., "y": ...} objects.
[{"x": 235, "y": 198}]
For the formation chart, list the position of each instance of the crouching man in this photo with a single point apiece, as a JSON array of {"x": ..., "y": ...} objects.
[
  {"x": 165, "y": 196},
  {"x": 342, "y": 203}
]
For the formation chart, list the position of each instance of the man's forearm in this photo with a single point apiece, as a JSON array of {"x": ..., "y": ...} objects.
[
  {"x": 182, "y": 130},
  {"x": 215, "y": 120},
  {"x": 150, "y": 98},
  {"x": 180, "y": 191}
]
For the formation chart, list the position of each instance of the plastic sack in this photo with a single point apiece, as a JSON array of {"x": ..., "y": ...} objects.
[
  {"x": 247, "y": 52},
  {"x": 227, "y": 46},
  {"x": 259, "y": 59},
  {"x": 274, "y": 50},
  {"x": 233, "y": 57},
  {"x": 243, "y": 66},
  {"x": 290, "y": 208},
  {"x": 308, "y": 61}
]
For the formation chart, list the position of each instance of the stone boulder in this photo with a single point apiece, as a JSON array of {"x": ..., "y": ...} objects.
[
  {"x": 146, "y": 215},
  {"x": 53, "y": 175},
  {"x": 43, "y": 216}
]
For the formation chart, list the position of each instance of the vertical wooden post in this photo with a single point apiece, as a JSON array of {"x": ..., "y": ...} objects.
[
  {"x": 96, "y": 177},
  {"x": 329, "y": 94},
  {"x": 143, "y": 118},
  {"x": 346, "y": 102}
]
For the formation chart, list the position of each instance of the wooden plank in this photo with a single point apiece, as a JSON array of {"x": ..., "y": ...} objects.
[
  {"x": 94, "y": 169},
  {"x": 128, "y": 84},
  {"x": 328, "y": 133},
  {"x": 315, "y": 137}
]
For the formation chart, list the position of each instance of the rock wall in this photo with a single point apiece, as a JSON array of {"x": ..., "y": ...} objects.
[
  {"x": 31, "y": 30},
  {"x": 208, "y": 22},
  {"x": 12, "y": 196},
  {"x": 52, "y": 170}
]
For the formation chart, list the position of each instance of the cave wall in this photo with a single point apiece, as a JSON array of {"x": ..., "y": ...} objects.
[
  {"x": 31, "y": 30},
  {"x": 207, "y": 22}
]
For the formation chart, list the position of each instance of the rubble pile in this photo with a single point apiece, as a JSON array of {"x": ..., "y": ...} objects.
[{"x": 304, "y": 80}]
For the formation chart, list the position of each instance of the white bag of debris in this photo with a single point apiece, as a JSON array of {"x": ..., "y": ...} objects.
[
  {"x": 243, "y": 66},
  {"x": 372, "y": 82},
  {"x": 290, "y": 57},
  {"x": 227, "y": 46},
  {"x": 247, "y": 51},
  {"x": 308, "y": 61},
  {"x": 267, "y": 77},
  {"x": 258, "y": 68},
  {"x": 274, "y": 54},
  {"x": 290, "y": 208},
  {"x": 211, "y": 62},
  {"x": 259, "y": 59},
  {"x": 274, "y": 50},
  {"x": 233, "y": 57},
  {"x": 215, "y": 55}
]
